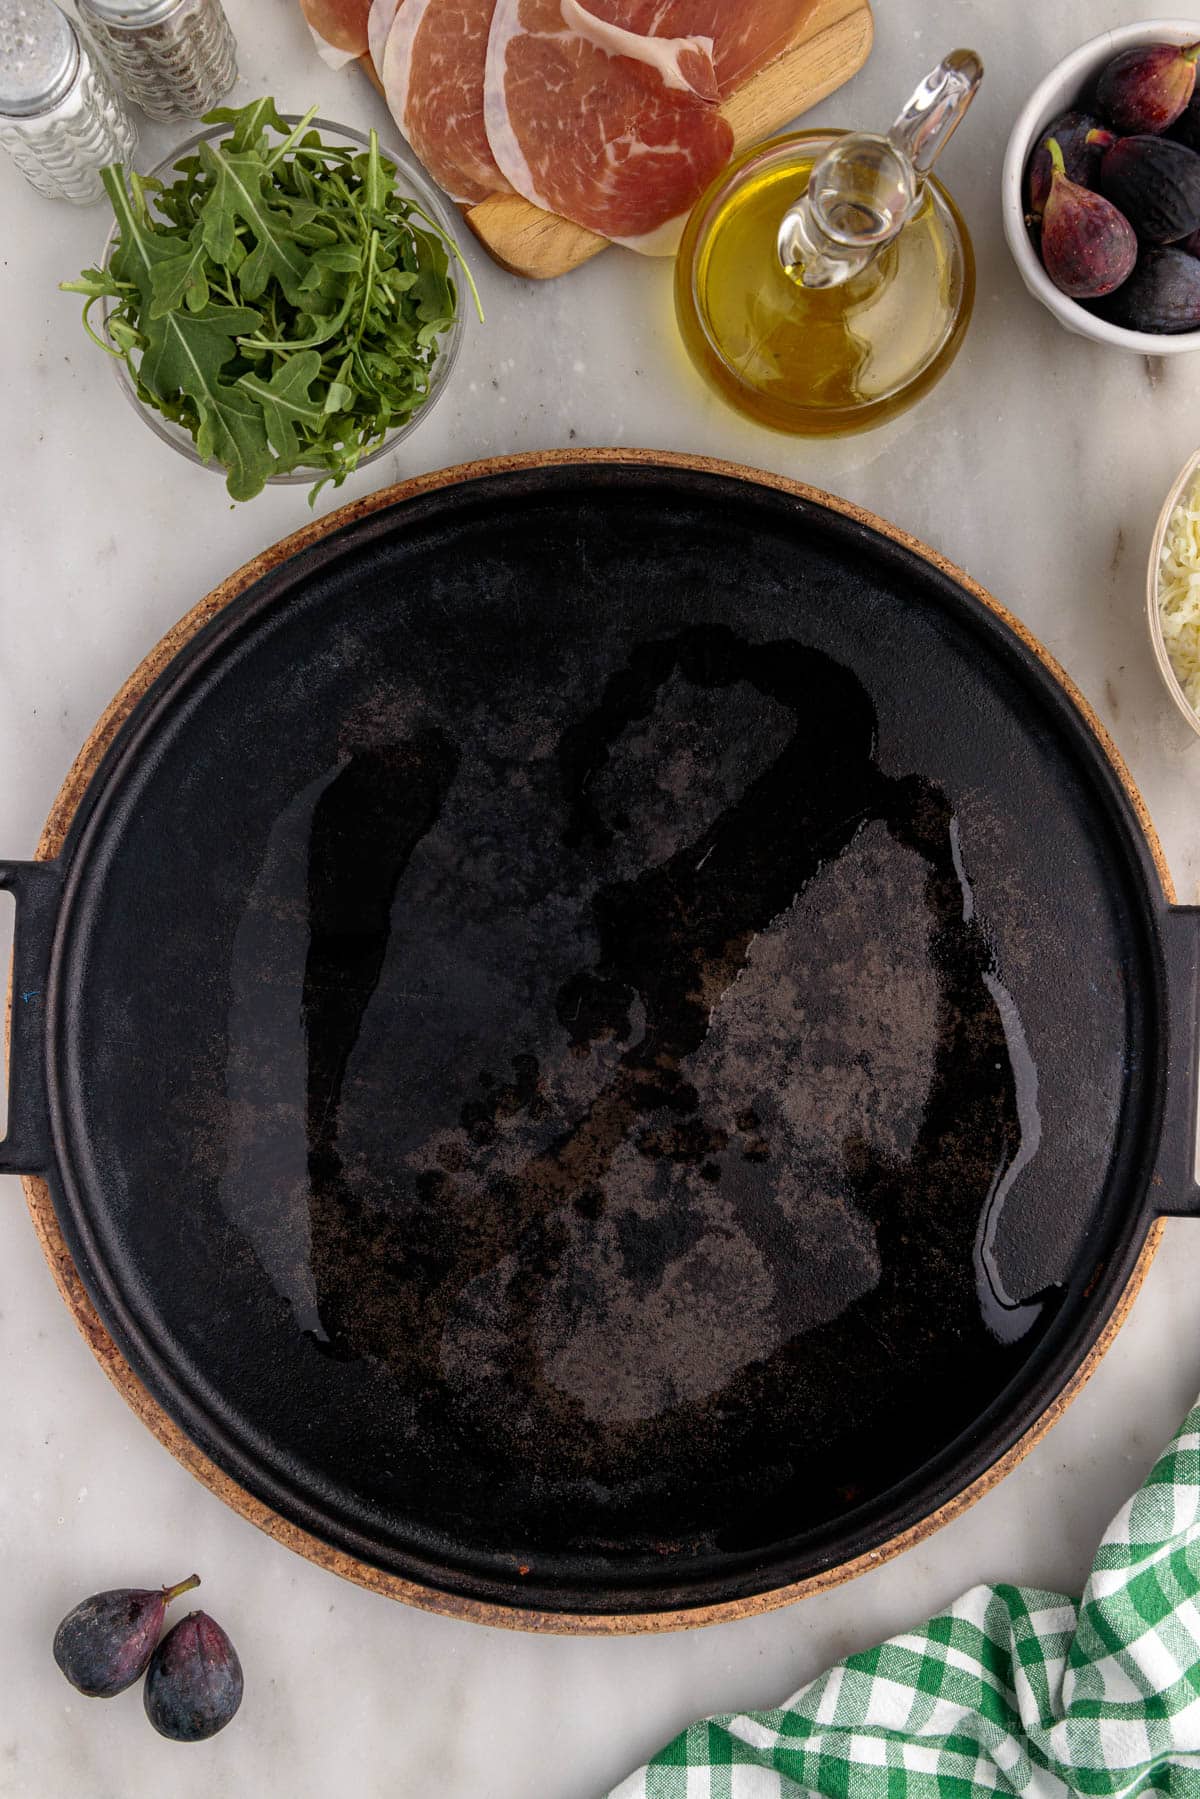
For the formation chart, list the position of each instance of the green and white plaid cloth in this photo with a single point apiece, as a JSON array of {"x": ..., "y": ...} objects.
[{"x": 1010, "y": 1691}]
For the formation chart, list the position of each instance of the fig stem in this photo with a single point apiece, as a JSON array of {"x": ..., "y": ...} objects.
[
  {"x": 185, "y": 1586},
  {"x": 1056, "y": 156}
]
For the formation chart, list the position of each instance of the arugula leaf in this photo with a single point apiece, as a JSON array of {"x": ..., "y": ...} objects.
[
  {"x": 139, "y": 247},
  {"x": 186, "y": 351},
  {"x": 286, "y": 405},
  {"x": 341, "y": 391},
  {"x": 232, "y": 431},
  {"x": 237, "y": 193},
  {"x": 180, "y": 280},
  {"x": 248, "y": 122},
  {"x": 337, "y": 259},
  {"x": 375, "y": 182},
  {"x": 321, "y": 330},
  {"x": 280, "y": 299}
]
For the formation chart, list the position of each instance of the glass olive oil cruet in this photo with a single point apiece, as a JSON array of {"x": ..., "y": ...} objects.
[{"x": 825, "y": 280}]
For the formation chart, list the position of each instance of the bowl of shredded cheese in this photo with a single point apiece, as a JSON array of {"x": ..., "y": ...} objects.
[{"x": 1173, "y": 592}]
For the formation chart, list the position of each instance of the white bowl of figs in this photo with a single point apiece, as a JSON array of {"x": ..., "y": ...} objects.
[{"x": 1101, "y": 189}]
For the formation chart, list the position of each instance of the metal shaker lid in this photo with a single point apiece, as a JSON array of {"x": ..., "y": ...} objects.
[
  {"x": 130, "y": 13},
  {"x": 39, "y": 55}
]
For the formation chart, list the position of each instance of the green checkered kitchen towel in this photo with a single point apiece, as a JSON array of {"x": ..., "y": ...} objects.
[{"x": 1010, "y": 1691}]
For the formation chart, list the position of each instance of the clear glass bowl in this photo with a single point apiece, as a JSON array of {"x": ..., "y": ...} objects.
[{"x": 416, "y": 185}]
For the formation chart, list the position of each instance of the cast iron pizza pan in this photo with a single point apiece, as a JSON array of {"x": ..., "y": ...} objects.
[{"x": 603, "y": 1037}]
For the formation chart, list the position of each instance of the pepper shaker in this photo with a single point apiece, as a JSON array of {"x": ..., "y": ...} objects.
[
  {"x": 175, "y": 58},
  {"x": 60, "y": 119}
]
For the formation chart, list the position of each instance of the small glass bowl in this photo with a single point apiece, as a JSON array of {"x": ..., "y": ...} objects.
[
  {"x": 1179, "y": 488},
  {"x": 412, "y": 182}
]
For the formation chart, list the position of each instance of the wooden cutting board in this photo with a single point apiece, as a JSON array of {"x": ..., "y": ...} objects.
[{"x": 833, "y": 43}]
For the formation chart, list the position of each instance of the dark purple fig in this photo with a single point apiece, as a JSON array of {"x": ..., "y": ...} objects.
[
  {"x": 1083, "y": 141},
  {"x": 1087, "y": 247},
  {"x": 1186, "y": 129},
  {"x": 1162, "y": 295},
  {"x": 1146, "y": 88},
  {"x": 104, "y": 1645},
  {"x": 194, "y": 1682},
  {"x": 1190, "y": 245},
  {"x": 1156, "y": 184}
]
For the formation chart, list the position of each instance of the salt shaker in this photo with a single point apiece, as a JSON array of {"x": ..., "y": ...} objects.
[
  {"x": 175, "y": 58},
  {"x": 60, "y": 118}
]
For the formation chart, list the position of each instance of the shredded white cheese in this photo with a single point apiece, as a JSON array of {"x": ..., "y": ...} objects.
[{"x": 1179, "y": 592}]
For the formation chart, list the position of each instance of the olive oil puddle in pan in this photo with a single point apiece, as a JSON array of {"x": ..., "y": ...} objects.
[{"x": 750, "y": 1140}]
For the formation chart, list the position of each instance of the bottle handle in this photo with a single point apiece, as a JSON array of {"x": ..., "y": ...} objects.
[
  {"x": 935, "y": 110},
  {"x": 865, "y": 188}
]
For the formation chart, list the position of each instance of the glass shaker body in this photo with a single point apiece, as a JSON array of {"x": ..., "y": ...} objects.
[
  {"x": 175, "y": 58},
  {"x": 61, "y": 120}
]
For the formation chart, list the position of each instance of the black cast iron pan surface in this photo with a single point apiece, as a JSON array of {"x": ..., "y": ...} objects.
[{"x": 605, "y": 1038}]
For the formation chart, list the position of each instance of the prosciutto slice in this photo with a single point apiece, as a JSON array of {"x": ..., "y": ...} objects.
[
  {"x": 748, "y": 36},
  {"x": 342, "y": 24},
  {"x": 433, "y": 75},
  {"x": 745, "y": 34},
  {"x": 379, "y": 23},
  {"x": 612, "y": 127}
]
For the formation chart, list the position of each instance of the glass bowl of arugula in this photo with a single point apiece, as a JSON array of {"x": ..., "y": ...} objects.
[{"x": 282, "y": 300}]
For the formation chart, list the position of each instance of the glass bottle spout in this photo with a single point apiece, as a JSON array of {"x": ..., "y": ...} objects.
[{"x": 866, "y": 187}]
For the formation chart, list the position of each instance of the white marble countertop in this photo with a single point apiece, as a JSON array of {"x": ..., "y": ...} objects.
[{"x": 1039, "y": 464}]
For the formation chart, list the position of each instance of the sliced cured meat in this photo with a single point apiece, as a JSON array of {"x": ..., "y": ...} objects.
[
  {"x": 379, "y": 23},
  {"x": 745, "y": 33},
  {"x": 613, "y": 128},
  {"x": 333, "y": 59},
  {"x": 682, "y": 60},
  {"x": 433, "y": 71},
  {"x": 748, "y": 34},
  {"x": 340, "y": 23}
]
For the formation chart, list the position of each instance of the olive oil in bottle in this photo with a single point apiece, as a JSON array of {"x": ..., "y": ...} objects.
[{"x": 824, "y": 281}]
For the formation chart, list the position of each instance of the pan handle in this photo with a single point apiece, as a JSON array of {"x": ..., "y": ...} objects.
[
  {"x": 1174, "y": 1189},
  {"x": 36, "y": 887}
]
